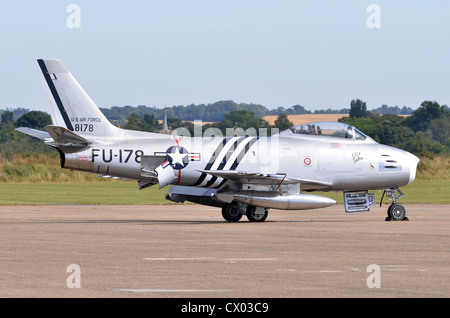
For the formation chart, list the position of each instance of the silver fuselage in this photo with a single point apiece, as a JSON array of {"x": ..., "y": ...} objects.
[{"x": 333, "y": 163}]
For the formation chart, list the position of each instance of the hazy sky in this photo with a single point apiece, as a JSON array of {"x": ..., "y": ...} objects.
[{"x": 319, "y": 54}]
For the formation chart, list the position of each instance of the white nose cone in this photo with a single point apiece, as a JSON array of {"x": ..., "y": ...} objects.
[{"x": 412, "y": 162}]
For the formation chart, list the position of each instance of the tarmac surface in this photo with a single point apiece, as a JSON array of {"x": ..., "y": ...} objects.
[{"x": 170, "y": 251}]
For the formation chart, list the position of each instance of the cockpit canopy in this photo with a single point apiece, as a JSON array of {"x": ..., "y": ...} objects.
[{"x": 329, "y": 129}]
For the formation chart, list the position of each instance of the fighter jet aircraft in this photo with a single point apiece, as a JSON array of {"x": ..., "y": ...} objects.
[{"x": 242, "y": 173}]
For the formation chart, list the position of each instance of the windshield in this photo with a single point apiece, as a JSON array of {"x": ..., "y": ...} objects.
[{"x": 330, "y": 129}]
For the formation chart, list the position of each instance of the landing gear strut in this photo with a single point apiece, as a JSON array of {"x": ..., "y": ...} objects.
[{"x": 396, "y": 211}]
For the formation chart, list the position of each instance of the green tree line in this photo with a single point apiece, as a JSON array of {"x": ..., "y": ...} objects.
[
  {"x": 14, "y": 143},
  {"x": 215, "y": 112},
  {"x": 425, "y": 132}
]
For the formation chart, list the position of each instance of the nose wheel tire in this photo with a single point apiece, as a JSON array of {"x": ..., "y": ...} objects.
[
  {"x": 396, "y": 212},
  {"x": 231, "y": 212}
]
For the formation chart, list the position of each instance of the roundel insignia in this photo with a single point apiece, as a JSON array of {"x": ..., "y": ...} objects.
[{"x": 178, "y": 157}]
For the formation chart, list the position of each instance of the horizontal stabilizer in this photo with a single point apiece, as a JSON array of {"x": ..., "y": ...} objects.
[
  {"x": 65, "y": 137},
  {"x": 34, "y": 132}
]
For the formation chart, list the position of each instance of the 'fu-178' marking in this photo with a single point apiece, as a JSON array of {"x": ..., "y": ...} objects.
[{"x": 123, "y": 155}]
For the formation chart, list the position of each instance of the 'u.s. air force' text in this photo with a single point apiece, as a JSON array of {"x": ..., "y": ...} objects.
[{"x": 122, "y": 155}]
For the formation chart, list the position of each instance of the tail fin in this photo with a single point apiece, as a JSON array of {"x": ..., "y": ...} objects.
[{"x": 69, "y": 104}]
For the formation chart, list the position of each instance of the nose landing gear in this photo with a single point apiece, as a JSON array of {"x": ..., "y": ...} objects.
[{"x": 396, "y": 211}]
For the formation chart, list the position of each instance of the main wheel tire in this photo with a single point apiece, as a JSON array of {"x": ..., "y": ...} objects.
[
  {"x": 253, "y": 215},
  {"x": 397, "y": 212},
  {"x": 231, "y": 212}
]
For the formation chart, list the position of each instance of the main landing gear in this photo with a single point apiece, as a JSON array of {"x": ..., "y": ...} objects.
[
  {"x": 396, "y": 211},
  {"x": 232, "y": 212}
]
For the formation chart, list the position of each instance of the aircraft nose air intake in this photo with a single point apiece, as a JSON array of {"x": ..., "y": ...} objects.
[{"x": 412, "y": 162}]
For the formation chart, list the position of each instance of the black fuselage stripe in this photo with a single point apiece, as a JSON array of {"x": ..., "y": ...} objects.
[
  {"x": 210, "y": 182},
  {"x": 242, "y": 154},
  {"x": 227, "y": 155},
  {"x": 224, "y": 159},
  {"x": 221, "y": 183},
  {"x": 238, "y": 159},
  {"x": 211, "y": 161},
  {"x": 55, "y": 95},
  {"x": 216, "y": 154}
]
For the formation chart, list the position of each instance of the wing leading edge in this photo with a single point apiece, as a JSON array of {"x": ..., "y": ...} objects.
[{"x": 264, "y": 179}]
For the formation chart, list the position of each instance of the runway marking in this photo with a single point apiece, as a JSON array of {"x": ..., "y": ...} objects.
[
  {"x": 394, "y": 265},
  {"x": 388, "y": 268},
  {"x": 250, "y": 259},
  {"x": 207, "y": 259},
  {"x": 353, "y": 269},
  {"x": 147, "y": 290},
  {"x": 174, "y": 259},
  {"x": 330, "y": 271},
  {"x": 400, "y": 268}
]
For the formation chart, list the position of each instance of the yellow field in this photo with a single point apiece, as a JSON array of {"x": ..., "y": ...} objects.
[
  {"x": 302, "y": 119},
  {"x": 296, "y": 119}
]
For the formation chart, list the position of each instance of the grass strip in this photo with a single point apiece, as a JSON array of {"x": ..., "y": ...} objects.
[{"x": 127, "y": 193}]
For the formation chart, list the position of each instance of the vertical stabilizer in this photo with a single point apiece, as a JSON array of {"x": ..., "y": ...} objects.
[{"x": 70, "y": 106}]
